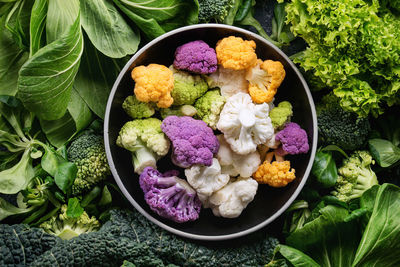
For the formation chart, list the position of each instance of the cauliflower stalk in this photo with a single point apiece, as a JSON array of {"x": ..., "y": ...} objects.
[
  {"x": 275, "y": 174},
  {"x": 244, "y": 124},
  {"x": 136, "y": 109},
  {"x": 235, "y": 164},
  {"x": 236, "y": 53},
  {"x": 355, "y": 176},
  {"x": 187, "y": 87},
  {"x": 232, "y": 199},
  {"x": 145, "y": 140},
  {"x": 229, "y": 81},
  {"x": 154, "y": 83},
  {"x": 209, "y": 107},
  {"x": 206, "y": 180},
  {"x": 264, "y": 79}
]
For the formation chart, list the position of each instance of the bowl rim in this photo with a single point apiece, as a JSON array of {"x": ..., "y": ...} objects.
[{"x": 155, "y": 220}]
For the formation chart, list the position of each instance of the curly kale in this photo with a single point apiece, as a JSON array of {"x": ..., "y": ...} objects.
[
  {"x": 88, "y": 153},
  {"x": 342, "y": 128},
  {"x": 214, "y": 10}
]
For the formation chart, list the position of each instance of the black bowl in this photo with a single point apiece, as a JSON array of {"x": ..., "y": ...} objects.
[{"x": 269, "y": 202}]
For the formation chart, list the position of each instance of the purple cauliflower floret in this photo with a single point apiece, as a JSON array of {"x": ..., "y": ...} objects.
[
  {"x": 197, "y": 57},
  {"x": 192, "y": 140},
  {"x": 294, "y": 140},
  {"x": 169, "y": 196}
]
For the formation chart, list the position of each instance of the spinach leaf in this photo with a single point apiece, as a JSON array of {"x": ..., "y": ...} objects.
[
  {"x": 74, "y": 208},
  {"x": 296, "y": 257},
  {"x": 46, "y": 79},
  {"x": 381, "y": 239},
  {"x": 65, "y": 176},
  {"x": 384, "y": 152},
  {"x": 107, "y": 29},
  {"x": 96, "y": 77},
  {"x": 324, "y": 169},
  {"x": 38, "y": 22}
]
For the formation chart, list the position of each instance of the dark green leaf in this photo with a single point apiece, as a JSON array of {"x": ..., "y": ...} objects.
[
  {"x": 324, "y": 169},
  {"x": 232, "y": 12},
  {"x": 89, "y": 197},
  {"x": 65, "y": 176},
  {"x": 38, "y": 22},
  {"x": 51, "y": 161},
  {"x": 296, "y": 257},
  {"x": 384, "y": 152},
  {"x": 106, "y": 197},
  {"x": 335, "y": 148},
  {"x": 243, "y": 10},
  {"x": 47, "y": 90},
  {"x": 7, "y": 209},
  {"x": 107, "y": 29},
  {"x": 74, "y": 209},
  {"x": 18, "y": 21}
]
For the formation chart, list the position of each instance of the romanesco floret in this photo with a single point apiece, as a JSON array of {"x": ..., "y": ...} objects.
[
  {"x": 209, "y": 107},
  {"x": 145, "y": 140},
  {"x": 66, "y": 227},
  {"x": 281, "y": 114},
  {"x": 136, "y": 109},
  {"x": 339, "y": 127},
  {"x": 355, "y": 176},
  {"x": 187, "y": 87},
  {"x": 89, "y": 155},
  {"x": 214, "y": 10}
]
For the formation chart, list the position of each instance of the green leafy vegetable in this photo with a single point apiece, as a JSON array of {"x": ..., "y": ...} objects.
[
  {"x": 37, "y": 25},
  {"x": 324, "y": 169},
  {"x": 384, "y": 152},
  {"x": 65, "y": 176},
  {"x": 296, "y": 257},
  {"x": 74, "y": 208}
]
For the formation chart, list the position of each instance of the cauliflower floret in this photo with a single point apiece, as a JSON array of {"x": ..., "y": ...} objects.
[
  {"x": 153, "y": 83},
  {"x": 264, "y": 80},
  {"x": 281, "y": 114},
  {"x": 236, "y": 53},
  {"x": 229, "y": 81},
  {"x": 244, "y": 124},
  {"x": 206, "y": 180},
  {"x": 235, "y": 164},
  {"x": 232, "y": 199},
  {"x": 209, "y": 107},
  {"x": 136, "y": 109},
  {"x": 275, "y": 174}
]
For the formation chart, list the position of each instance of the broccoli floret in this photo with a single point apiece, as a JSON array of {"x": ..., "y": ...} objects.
[
  {"x": 136, "y": 109},
  {"x": 185, "y": 110},
  {"x": 89, "y": 155},
  {"x": 145, "y": 140},
  {"x": 66, "y": 227},
  {"x": 355, "y": 176},
  {"x": 339, "y": 127},
  {"x": 209, "y": 107},
  {"x": 281, "y": 114},
  {"x": 214, "y": 10},
  {"x": 187, "y": 87}
]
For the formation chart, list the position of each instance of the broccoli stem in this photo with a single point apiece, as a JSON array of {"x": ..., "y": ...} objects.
[{"x": 142, "y": 158}]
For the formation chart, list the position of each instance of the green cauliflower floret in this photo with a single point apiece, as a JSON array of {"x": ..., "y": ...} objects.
[
  {"x": 66, "y": 227},
  {"x": 89, "y": 155},
  {"x": 136, "y": 109},
  {"x": 185, "y": 110},
  {"x": 339, "y": 127},
  {"x": 214, "y": 10},
  {"x": 209, "y": 107},
  {"x": 145, "y": 139},
  {"x": 355, "y": 176},
  {"x": 281, "y": 114},
  {"x": 187, "y": 87}
]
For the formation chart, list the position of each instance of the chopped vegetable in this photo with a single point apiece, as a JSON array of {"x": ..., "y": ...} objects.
[
  {"x": 154, "y": 83},
  {"x": 355, "y": 176},
  {"x": 187, "y": 87},
  {"x": 169, "y": 196},
  {"x": 89, "y": 155},
  {"x": 276, "y": 174},
  {"x": 209, "y": 107},
  {"x": 232, "y": 199},
  {"x": 192, "y": 140},
  {"x": 264, "y": 79},
  {"x": 206, "y": 180},
  {"x": 136, "y": 109},
  {"x": 244, "y": 124},
  {"x": 185, "y": 110},
  {"x": 197, "y": 57},
  {"x": 145, "y": 140},
  {"x": 236, "y": 53},
  {"x": 281, "y": 114},
  {"x": 294, "y": 140},
  {"x": 229, "y": 81}
]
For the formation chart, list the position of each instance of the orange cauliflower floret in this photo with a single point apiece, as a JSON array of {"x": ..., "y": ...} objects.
[
  {"x": 154, "y": 83},
  {"x": 236, "y": 53},
  {"x": 275, "y": 174},
  {"x": 264, "y": 80}
]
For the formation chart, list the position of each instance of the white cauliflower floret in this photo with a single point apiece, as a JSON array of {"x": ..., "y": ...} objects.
[
  {"x": 235, "y": 164},
  {"x": 206, "y": 180},
  {"x": 244, "y": 124},
  {"x": 229, "y": 81},
  {"x": 231, "y": 200}
]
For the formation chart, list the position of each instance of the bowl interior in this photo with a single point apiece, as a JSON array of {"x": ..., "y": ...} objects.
[{"x": 269, "y": 202}]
